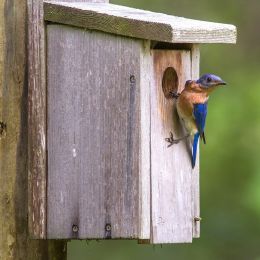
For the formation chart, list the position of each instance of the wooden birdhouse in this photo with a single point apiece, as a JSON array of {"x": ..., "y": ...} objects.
[{"x": 99, "y": 112}]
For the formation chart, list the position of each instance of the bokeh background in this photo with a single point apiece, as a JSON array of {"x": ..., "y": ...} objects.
[{"x": 230, "y": 162}]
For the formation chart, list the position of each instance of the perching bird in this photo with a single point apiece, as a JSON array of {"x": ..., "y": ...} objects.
[{"x": 192, "y": 105}]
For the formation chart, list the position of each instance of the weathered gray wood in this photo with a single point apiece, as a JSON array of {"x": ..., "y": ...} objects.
[
  {"x": 37, "y": 154},
  {"x": 138, "y": 23},
  {"x": 37, "y": 170},
  {"x": 195, "y": 68},
  {"x": 146, "y": 71},
  {"x": 93, "y": 133},
  {"x": 15, "y": 242},
  {"x": 171, "y": 173}
]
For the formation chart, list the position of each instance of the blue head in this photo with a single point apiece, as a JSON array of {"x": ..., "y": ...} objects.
[{"x": 210, "y": 80}]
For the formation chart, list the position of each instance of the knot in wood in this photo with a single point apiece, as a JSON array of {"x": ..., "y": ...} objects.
[{"x": 3, "y": 128}]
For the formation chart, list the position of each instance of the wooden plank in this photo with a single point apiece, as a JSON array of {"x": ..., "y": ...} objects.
[
  {"x": 195, "y": 67},
  {"x": 63, "y": 133},
  {"x": 138, "y": 23},
  {"x": 145, "y": 132},
  {"x": 171, "y": 172},
  {"x": 37, "y": 154},
  {"x": 93, "y": 134},
  {"x": 37, "y": 167}
]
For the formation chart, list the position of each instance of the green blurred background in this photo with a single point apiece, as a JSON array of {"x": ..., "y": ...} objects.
[{"x": 230, "y": 162}]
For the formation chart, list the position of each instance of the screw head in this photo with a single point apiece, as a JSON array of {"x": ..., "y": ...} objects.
[
  {"x": 196, "y": 219},
  {"x": 75, "y": 228},
  {"x": 132, "y": 78},
  {"x": 108, "y": 227}
]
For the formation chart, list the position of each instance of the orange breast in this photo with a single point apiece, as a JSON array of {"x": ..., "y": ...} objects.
[
  {"x": 194, "y": 94},
  {"x": 185, "y": 105},
  {"x": 188, "y": 98},
  {"x": 186, "y": 101}
]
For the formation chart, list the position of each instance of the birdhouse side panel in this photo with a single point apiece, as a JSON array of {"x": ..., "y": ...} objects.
[{"x": 93, "y": 134}]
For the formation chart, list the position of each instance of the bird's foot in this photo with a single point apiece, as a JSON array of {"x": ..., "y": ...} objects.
[
  {"x": 174, "y": 94},
  {"x": 171, "y": 140}
]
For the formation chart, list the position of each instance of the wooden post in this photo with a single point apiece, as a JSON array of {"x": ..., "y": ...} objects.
[{"x": 14, "y": 239}]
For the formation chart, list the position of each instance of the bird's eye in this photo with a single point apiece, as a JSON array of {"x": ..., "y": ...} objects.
[{"x": 209, "y": 79}]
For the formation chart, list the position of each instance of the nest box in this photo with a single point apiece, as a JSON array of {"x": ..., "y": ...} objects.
[{"x": 99, "y": 113}]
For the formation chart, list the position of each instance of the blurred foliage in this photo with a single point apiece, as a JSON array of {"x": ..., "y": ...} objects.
[{"x": 230, "y": 162}]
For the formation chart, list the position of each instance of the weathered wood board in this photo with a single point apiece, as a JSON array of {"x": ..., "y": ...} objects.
[
  {"x": 37, "y": 153},
  {"x": 195, "y": 68},
  {"x": 93, "y": 134},
  {"x": 171, "y": 173},
  {"x": 137, "y": 23},
  {"x": 146, "y": 70},
  {"x": 37, "y": 118}
]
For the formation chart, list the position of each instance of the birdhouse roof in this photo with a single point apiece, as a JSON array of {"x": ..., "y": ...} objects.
[{"x": 137, "y": 23}]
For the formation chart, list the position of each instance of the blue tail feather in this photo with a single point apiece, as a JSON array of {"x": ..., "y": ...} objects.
[{"x": 194, "y": 149}]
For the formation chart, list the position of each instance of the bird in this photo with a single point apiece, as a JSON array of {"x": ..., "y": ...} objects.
[{"x": 192, "y": 109}]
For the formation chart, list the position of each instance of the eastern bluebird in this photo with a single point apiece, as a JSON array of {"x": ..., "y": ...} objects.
[{"x": 192, "y": 105}]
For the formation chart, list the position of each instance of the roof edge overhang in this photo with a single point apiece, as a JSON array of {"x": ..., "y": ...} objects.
[{"x": 125, "y": 21}]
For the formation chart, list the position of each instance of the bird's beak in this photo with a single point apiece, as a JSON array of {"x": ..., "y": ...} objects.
[{"x": 221, "y": 82}]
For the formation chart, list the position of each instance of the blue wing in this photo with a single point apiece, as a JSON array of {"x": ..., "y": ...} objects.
[
  {"x": 200, "y": 114},
  {"x": 194, "y": 149}
]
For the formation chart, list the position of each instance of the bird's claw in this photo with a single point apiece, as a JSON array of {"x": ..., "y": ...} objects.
[
  {"x": 171, "y": 140},
  {"x": 174, "y": 94}
]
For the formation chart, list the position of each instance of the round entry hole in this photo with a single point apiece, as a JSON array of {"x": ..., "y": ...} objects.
[{"x": 170, "y": 82}]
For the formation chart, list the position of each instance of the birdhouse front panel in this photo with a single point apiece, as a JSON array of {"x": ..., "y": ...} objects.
[
  {"x": 172, "y": 176},
  {"x": 93, "y": 134}
]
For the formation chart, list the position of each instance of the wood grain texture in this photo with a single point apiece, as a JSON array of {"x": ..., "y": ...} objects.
[
  {"x": 171, "y": 173},
  {"x": 138, "y": 23},
  {"x": 37, "y": 153},
  {"x": 93, "y": 134},
  {"x": 195, "y": 68},
  {"x": 36, "y": 121},
  {"x": 146, "y": 71},
  {"x": 15, "y": 242}
]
